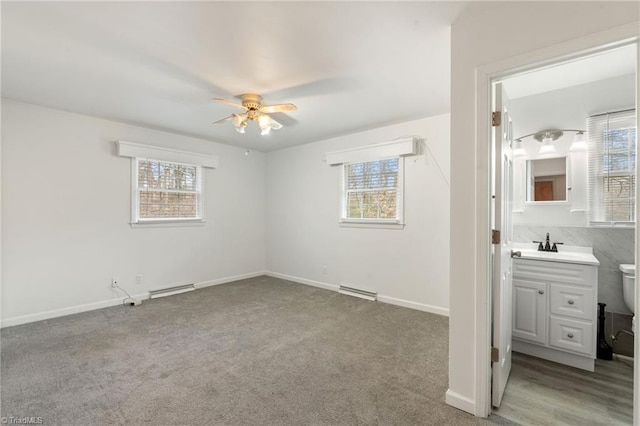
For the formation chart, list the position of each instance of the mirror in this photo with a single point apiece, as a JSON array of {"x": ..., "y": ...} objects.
[{"x": 547, "y": 179}]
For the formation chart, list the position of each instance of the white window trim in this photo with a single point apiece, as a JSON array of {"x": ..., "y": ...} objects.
[
  {"x": 137, "y": 151},
  {"x": 137, "y": 222},
  {"x": 373, "y": 223},
  {"x": 596, "y": 192},
  {"x": 398, "y": 148}
]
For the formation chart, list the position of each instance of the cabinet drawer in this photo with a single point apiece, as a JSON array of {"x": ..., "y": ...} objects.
[
  {"x": 576, "y": 302},
  {"x": 571, "y": 335},
  {"x": 569, "y": 273}
]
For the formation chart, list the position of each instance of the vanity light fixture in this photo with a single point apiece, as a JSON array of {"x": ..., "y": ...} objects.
[
  {"x": 549, "y": 136},
  {"x": 518, "y": 149}
]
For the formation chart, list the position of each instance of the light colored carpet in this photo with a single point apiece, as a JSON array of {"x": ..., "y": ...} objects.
[{"x": 261, "y": 351}]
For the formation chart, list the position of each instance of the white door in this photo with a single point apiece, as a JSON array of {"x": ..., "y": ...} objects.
[{"x": 502, "y": 251}]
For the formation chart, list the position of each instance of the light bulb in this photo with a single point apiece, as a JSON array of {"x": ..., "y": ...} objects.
[{"x": 264, "y": 122}]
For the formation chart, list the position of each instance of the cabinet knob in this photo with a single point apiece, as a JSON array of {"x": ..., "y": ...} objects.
[
  {"x": 570, "y": 335},
  {"x": 540, "y": 291},
  {"x": 571, "y": 302}
]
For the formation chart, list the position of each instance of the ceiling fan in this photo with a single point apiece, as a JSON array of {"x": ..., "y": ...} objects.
[{"x": 254, "y": 110}]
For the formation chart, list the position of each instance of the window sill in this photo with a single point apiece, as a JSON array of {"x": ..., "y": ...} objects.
[
  {"x": 617, "y": 225},
  {"x": 167, "y": 223},
  {"x": 370, "y": 224}
]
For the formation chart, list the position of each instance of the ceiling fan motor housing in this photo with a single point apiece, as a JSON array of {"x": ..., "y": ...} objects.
[{"x": 251, "y": 101}]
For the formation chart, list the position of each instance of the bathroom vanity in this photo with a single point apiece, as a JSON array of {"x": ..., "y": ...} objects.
[{"x": 554, "y": 304}]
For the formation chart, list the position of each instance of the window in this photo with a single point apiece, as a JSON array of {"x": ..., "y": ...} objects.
[
  {"x": 166, "y": 191},
  {"x": 372, "y": 192},
  {"x": 166, "y": 184},
  {"x": 612, "y": 168}
]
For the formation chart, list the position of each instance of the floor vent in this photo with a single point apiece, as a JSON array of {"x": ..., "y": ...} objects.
[
  {"x": 170, "y": 291},
  {"x": 363, "y": 294}
]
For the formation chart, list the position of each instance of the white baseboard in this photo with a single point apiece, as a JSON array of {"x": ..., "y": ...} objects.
[
  {"x": 414, "y": 305},
  {"x": 460, "y": 402},
  {"x": 299, "y": 280},
  {"x": 231, "y": 279},
  {"x": 381, "y": 298},
  {"x": 24, "y": 319}
]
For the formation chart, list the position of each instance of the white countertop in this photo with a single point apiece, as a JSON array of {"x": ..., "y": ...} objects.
[{"x": 566, "y": 254}]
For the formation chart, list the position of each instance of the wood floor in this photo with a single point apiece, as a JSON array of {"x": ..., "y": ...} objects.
[{"x": 541, "y": 392}]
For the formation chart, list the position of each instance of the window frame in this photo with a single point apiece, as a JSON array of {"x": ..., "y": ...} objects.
[
  {"x": 596, "y": 192},
  {"x": 396, "y": 223},
  {"x": 136, "y": 220}
]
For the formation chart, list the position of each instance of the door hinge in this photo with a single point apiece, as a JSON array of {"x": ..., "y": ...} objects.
[
  {"x": 495, "y": 354},
  {"x": 496, "y": 118},
  {"x": 495, "y": 236}
]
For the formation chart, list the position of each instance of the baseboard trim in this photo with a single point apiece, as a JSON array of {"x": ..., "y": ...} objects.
[
  {"x": 381, "y": 298},
  {"x": 460, "y": 402},
  {"x": 230, "y": 279},
  {"x": 55, "y": 313},
  {"x": 299, "y": 280},
  {"x": 414, "y": 305}
]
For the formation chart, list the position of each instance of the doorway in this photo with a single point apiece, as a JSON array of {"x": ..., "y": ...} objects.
[{"x": 550, "y": 109}]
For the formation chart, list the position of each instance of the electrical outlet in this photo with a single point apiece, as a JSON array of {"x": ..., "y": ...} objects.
[
  {"x": 139, "y": 279},
  {"x": 115, "y": 282}
]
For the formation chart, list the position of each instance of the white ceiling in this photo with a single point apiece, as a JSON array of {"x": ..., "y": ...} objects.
[
  {"x": 347, "y": 66},
  {"x": 602, "y": 66}
]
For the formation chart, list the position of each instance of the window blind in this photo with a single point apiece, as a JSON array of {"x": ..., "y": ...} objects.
[
  {"x": 372, "y": 190},
  {"x": 611, "y": 157},
  {"x": 167, "y": 190}
]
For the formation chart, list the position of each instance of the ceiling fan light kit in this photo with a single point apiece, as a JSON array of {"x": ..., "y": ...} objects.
[{"x": 254, "y": 110}]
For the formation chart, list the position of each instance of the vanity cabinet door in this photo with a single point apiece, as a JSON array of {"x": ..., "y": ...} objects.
[{"x": 530, "y": 311}]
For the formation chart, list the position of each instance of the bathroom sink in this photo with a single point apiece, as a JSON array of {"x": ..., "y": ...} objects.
[{"x": 566, "y": 254}]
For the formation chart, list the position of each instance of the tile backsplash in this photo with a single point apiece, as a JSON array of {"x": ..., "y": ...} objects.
[{"x": 611, "y": 246}]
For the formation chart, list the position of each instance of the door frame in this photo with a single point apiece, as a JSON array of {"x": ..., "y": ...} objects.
[{"x": 485, "y": 77}]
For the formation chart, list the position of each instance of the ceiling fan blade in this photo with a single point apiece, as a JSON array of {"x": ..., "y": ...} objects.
[
  {"x": 278, "y": 108},
  {"x": 233, "y": 104},
  {"x": 224, "y": 120}
]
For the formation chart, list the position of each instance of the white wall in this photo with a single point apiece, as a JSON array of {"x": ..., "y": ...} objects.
[
  {"x": 66, "y": 212},
  {"x": 408, "y": 266},
  {"x": 503, "y": 32}
]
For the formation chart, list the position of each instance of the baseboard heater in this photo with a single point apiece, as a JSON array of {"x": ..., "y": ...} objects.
[
  {"x": 356, "y": 292},
  {"x": 170, "y": 291}
]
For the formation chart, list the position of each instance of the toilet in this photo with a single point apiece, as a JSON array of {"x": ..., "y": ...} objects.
[{"x": 628, "y": 290}]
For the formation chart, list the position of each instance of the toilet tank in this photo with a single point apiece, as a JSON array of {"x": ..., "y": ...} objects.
[{"x": 629, "y": 285}]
